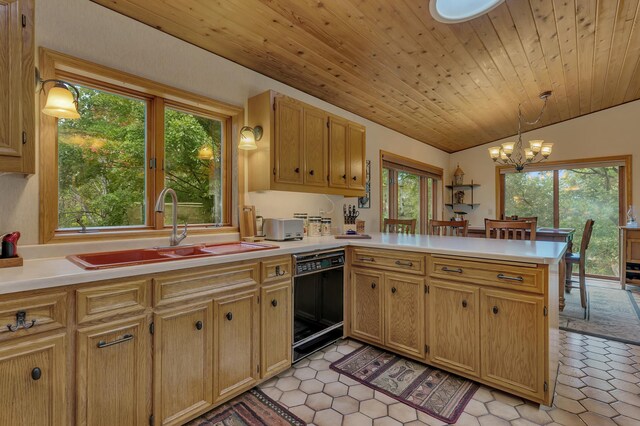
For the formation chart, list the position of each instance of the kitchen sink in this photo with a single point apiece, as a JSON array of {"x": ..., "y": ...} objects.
[{"x": 114, "y": 259}]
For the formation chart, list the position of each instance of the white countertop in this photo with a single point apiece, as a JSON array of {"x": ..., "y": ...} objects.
[{"x": 48, "y": 272}]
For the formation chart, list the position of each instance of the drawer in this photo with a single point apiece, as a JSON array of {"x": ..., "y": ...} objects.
[
  {"x": 525, "y": 277},
  {"x": 33, "y": 314},
  {"x": 189, "y": 285},
  {"x": 102, "y": 301},
  {"x": 392, "y": 260},
  {"x": 274, "y": 270}
]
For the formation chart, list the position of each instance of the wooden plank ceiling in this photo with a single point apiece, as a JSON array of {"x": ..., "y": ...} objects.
[{"x": 450, "y": 86}]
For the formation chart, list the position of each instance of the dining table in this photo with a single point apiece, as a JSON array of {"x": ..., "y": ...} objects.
[{"x": 562, "y": 235}]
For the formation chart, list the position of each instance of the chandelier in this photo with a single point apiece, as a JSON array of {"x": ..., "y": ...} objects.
[{"x": 514, "y": 153}]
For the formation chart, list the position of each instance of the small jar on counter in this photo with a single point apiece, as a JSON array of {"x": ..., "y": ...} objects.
[
  {"x": 326, "y": 226},
  {"x": 315, "y": 226},
  {"x": 305, "y": 220}
]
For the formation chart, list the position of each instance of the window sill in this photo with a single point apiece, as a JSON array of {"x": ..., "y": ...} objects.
[{"x": 75, "y": 236}]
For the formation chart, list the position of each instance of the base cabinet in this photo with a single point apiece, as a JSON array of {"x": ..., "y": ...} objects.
[
  {"x": 512, "y": 336},
  {"x": 454, "y": 321},
  {"x": 275, "y": 328},
  {"x": 113, "y": 374},
  {"x": 182, "y": 363},
  {"x": 33, "y": 382},
  {"x": 367, "y": 305},
  {"x": 235, "y": 330},
  {"x": 404, "y": 314}
]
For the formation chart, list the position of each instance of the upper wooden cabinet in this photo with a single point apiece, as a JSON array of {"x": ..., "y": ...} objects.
[
  {"x": 304, "y": 149},
  {"x": 17, "y": 86}
]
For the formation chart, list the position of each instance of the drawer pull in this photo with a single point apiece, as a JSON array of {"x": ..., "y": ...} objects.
[
  {"x": 406, "y": 263},
  {"x": 495, "y": 310},
  {"x": 274, "y": 303},
  {"x": 456, "y": 270},
  {"x": 464, "y": 303},
  {"x": 366, "y": 259},
  {"x": 280, "y": 271},
  {"x": 198, "y": 325},
  {"x": 508, "y": 278},
  {"x": 393, "y": 290},
  {"x": 21, "y": 322},
  {"x": 36, "y": 373},
  {"x": 229, "y": 316},
  {"x": 125, "y": 338},
  {"x": 373, "y": 285}
]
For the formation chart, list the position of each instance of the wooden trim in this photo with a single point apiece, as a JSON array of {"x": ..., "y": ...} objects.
[
  {"x": 400, "y": 160},
  {"x": 556, "y": 199},
  {"x": 500, "y": 182},
  {"x": 574, "y": 162},
  {"x": 157, "y": 96},
  {"x": 74, "y": 237}
]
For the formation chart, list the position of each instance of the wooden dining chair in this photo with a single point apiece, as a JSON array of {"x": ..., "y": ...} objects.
[
  {"x": 580, "y": 260},
  {"x": 400, "y": 226},
  {"x": 510, "y": 229},
  {"x": 454, "y": 228}
]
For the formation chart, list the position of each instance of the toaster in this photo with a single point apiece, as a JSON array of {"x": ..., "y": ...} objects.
[{"x": 283, "y": 229}]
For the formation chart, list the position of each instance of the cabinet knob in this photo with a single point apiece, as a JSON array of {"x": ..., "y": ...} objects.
[
  {"x": 355, "y": 178},
  {"x": 229, "y": 316},
  {"x": 393, "y": 289},
  {"x": 495, "y": 310},
  {"x": 464, "y": 303},
  {"x": 373, "y": 285},
  {"x": 199, "y": 325},
  {"x": 274, "y": 303},
  {"x": 311, "y": 172},
  {"x": 344, "y": 177},
  {"x": 297, "y": 170},
  {"x": 36, "y": 373}
]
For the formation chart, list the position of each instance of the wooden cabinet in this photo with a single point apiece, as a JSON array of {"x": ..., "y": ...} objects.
[
  {"x": 113, "y": 379},
  {"x": 513, "y": 341},
  {"x": 304, "y": 148},
  {"x": 454, "y": 326},
  {"x": 404, "y": 314},
  {"x": 183, "y": 359},
  {"x": 17, "y": 86},
  {"x": 236, "y": 328},
  {"x": 367, "y": 305},
  {"x": 33, "y": 387},
  {"x": 629, "y": 256},
  {"x": 275, "y": 328}
]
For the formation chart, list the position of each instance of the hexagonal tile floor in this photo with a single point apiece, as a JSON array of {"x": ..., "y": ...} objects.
[{"x": 598, "y": 384}]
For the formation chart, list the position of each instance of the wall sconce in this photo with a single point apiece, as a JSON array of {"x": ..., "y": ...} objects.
[
  {"x": 61, "y": 101},
  {"x": 249, "y": 136},
  {"x": 205, "y": 153}
]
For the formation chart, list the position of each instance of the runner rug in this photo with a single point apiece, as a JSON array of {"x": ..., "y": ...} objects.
[
  {"x": 439, "y": 394},
  {"x": 252, "y": 408}
]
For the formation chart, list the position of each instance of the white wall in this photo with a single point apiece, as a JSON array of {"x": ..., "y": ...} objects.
[
  {"x": 89, "y": 31},
  {"x": 615, "y": 131}
]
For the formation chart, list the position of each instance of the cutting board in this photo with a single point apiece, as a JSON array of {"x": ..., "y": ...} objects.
[{"x": 247, "y": 221}]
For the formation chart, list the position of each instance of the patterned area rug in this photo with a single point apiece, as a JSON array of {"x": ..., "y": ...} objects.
[
  {"x": 440, "y": 394},
  {"x": 252, "y": 408},
  {"x": 613, "y": 314}
]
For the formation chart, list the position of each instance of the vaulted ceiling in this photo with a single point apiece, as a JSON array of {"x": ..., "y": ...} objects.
[{"x": 450, "y": 86}]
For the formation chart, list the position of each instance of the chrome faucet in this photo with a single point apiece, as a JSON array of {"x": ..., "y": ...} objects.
[{"x": 175, "y": 239}]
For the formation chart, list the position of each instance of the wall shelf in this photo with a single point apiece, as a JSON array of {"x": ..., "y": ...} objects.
[{"x": 464, "y": 187}]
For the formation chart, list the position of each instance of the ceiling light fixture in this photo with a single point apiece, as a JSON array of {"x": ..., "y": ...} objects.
[
  {"x": 454, "y": 11},
  {"x": 61, "y": 101},
  {"x": 513, "y": 153},
  {"x": 249, "y": 136}
]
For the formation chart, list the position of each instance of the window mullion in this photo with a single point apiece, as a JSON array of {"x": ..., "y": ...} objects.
[
  {"x": 556, "y": 199},
  {"x": 156, "y": 151}
]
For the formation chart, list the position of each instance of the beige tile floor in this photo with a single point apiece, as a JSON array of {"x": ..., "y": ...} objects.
[{"x": 598, "y": 384}]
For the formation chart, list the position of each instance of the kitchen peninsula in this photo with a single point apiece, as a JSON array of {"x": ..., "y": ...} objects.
[{"x": 484, "y": 309}]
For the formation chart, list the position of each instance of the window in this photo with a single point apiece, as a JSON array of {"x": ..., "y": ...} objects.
[
  {"x": 566, "y": 195},
  {"x": 408, "y": 190},
  {"x": 105, "y": 169}
]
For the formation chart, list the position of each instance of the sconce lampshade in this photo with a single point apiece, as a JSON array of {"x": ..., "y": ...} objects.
[
  {"x": 248, "y": 138},
  {"x": 61, "y": 103},
  {"x": 205, "y": 153}
]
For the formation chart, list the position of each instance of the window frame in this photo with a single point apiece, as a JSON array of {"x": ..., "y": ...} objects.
[
  {"x": 396, "y": 163},
  {"x": 157, "y": 96}
]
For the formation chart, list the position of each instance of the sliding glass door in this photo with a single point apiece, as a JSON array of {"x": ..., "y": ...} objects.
[{"x": 408, "y": 196}]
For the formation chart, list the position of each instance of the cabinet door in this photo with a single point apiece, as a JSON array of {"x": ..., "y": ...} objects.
[
  {"x": 356, "y": 157},
  {"x": 633, "y": 251},
  {"x": 182, "y": 363},
  {"x": 10, "y": 78},
  {"x": 404, "y": 314},
  {"x": 338, "y": 153},
  {"x": 113, "y": 374},
  {"x": 454, "y": 326},
  {"x": 367, "y": 305},
  {"x": 315, "y": 147},
  {"x": 33, "y": 382},
  {"x": 236, "y": 343},
  {"x": 288, "y": 143},
  {"x": 512, "y": 341},
  {"x": 275, "y": 328}
]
